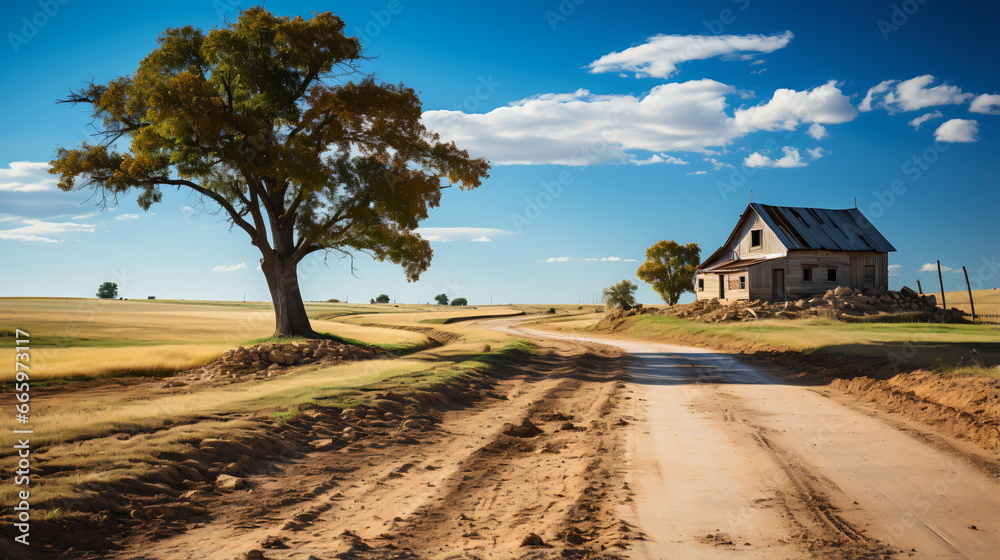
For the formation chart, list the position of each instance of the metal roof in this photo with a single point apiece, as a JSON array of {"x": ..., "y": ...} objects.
[{"x": 819, "y": 228}]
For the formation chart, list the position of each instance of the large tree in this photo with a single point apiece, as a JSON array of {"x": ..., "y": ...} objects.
[
  {"x": 259, "y": 119},
  {"x": 670, "y": 268}
]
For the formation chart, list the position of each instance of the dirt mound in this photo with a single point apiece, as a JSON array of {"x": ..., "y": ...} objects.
[
  {"x": 268, "y": 359},
  {"x": 966, "y": 407},
  {"x": 842, "y": 303},
  {"x": 526, "y": 429}
]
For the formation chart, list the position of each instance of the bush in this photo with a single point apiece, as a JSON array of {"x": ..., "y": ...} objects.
[
  {"x": 441, "y": 299},
  {"x": 621, "y": 295},
  {"x": 382, "y": 298},
  {"x": 460, "y": 301}
]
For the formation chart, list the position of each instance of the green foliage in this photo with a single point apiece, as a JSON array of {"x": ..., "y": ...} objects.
[
  {"x": 620, "y": 295},
  {"x": 382, "y": 298},
  {"x": 441, "y": 299},
  {"x": 107, "y": 290},
  {"x": 259, "y": 118},
  {"x": 460, "y": 301},
  {"x": 670, "y": 268}
]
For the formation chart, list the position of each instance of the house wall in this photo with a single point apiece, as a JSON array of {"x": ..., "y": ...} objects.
[
  {"x": 769, "y": 241},
  {"x": 730, "y": 280},
  {"x": 861, "y": 258}
]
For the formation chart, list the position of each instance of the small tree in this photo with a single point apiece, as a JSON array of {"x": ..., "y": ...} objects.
[
  {"x": 382, "y": 298},
  {"x": 460, "y": 301},
  {"x": 670, "y": 268},
  {"x": 620, "y": 295},
  {"x": 108, "y": 290},
  {"x": 442, "y": 299}
]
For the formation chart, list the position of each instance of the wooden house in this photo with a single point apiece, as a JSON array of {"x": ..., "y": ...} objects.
[{"x": 779, "y": 253}]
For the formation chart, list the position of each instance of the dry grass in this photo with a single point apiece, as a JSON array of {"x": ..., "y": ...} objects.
[{"x": 76, "y": 338}]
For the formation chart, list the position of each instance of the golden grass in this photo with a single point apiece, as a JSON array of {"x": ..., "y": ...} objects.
[{"x": 75, "y": 337}]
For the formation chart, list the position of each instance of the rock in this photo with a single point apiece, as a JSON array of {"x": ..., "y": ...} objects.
[
  {"x": 907, "y": 292},
  {"x": 229, "y": 482},
  {"x": 275, "y": 357},
  {"x": 532, "y": 540},
  {"x": 321, "y": 444},
  {"x": 255, "y": 555}
]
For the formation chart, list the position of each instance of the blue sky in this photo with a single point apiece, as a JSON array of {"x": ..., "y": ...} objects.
[{"x": 610, "y": 126}]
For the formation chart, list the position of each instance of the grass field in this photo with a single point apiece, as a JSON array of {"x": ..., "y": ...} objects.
[
  {"x": 97, "y": 339},
  {"x": 83, "y": 338},
  {"x": 987, "y": 302},
  {"x": 954, "y": 348}
]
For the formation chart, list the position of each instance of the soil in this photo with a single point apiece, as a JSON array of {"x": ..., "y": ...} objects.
[{"x": 596, "y": 448}]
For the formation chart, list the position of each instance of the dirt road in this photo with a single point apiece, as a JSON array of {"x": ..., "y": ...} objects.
[
  {"x": 586, "y": 452},
  {"x": 726, "y": 461}
]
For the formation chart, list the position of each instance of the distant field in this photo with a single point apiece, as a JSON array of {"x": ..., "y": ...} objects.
[
  {"x": 102, "y": 338},
  {"x": 987, "y": 302},
  {"x": 949, "y": 347}
]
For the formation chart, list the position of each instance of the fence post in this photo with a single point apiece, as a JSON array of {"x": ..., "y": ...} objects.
[
  {"x": 969, "y": 287},
  {"x": 920, "y": 289},
  {"x": 944, "y": 305}
]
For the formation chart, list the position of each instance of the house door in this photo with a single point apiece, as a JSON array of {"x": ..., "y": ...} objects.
[
  {"x": 778, "y": 284},
  {"x": 722, "y": 287},
  {"x": 869, "y": 276}
]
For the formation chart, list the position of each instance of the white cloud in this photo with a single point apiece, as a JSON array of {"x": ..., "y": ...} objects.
[
  {"x": 788, "y": 108},
  {"x": 932, "y": 267},
  {"x": 229, "y": 268},
  {"x": 123, "y": 217},
  {"x": 582, "y": 128},
  {"x": 716, "y": 164},
  {"x": 817, "y": 131},
  {"x": 659, "y": 56},
  {"x": 987, "y": 104},
  {"x": 703, "y": 172},
  {"x": 659, "y": 158},
  {"x": 84, "y": 216},
  {"x": 894, "y": 269},
  {"x": 445, "y": 234},
  {"x": 919, "y": 121},
  {"x": 482, "y": 239},
  {"x": 39, "y": 230},
  {"x": 911, "y": 95},
  {"x": 790, "y": 159},
  {"x": 589, "y": 259},
  {"x": 27, "y": 176},
  {"x": 957, "y": 130},
  {"x": 815, "y": 153}
]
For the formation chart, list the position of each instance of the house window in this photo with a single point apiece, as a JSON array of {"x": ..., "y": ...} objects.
[
  {"x": 807, "y": 274},
  {"x": 701, "y": 284},
  {"x": 831, "y": 274},
  {"x": 755, "y": 236},
  {"x": 743, "y": 282}
]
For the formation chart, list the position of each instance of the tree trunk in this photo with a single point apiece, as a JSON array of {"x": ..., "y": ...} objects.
[{"x": 290, "y": 317}]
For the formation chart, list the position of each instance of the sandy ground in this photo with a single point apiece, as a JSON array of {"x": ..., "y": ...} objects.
[
  {"x": 462, "y": 489},
  {"x": 726, "y": 461},
  {"x": 630, "y": 450}
]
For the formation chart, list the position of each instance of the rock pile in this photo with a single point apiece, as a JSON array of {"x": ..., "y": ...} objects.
[
  {"x": 843, "y": 302},
  {"x": 250, "y": 360}
]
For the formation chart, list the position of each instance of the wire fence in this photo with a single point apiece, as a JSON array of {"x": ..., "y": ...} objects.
[{"x": 955, "y": 283}]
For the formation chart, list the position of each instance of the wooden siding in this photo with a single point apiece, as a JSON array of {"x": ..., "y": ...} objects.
[
  {"x": 769, "y": 241},
  {"x": 879, "y": 260},
  {"x": 711, "y": 290}
]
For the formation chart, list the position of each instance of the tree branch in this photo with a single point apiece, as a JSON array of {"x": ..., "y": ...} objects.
[{"x": 219, "y": 199}]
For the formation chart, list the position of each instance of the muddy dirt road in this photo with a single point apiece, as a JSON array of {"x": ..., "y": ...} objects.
[{"x": 728, "y": 462}]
